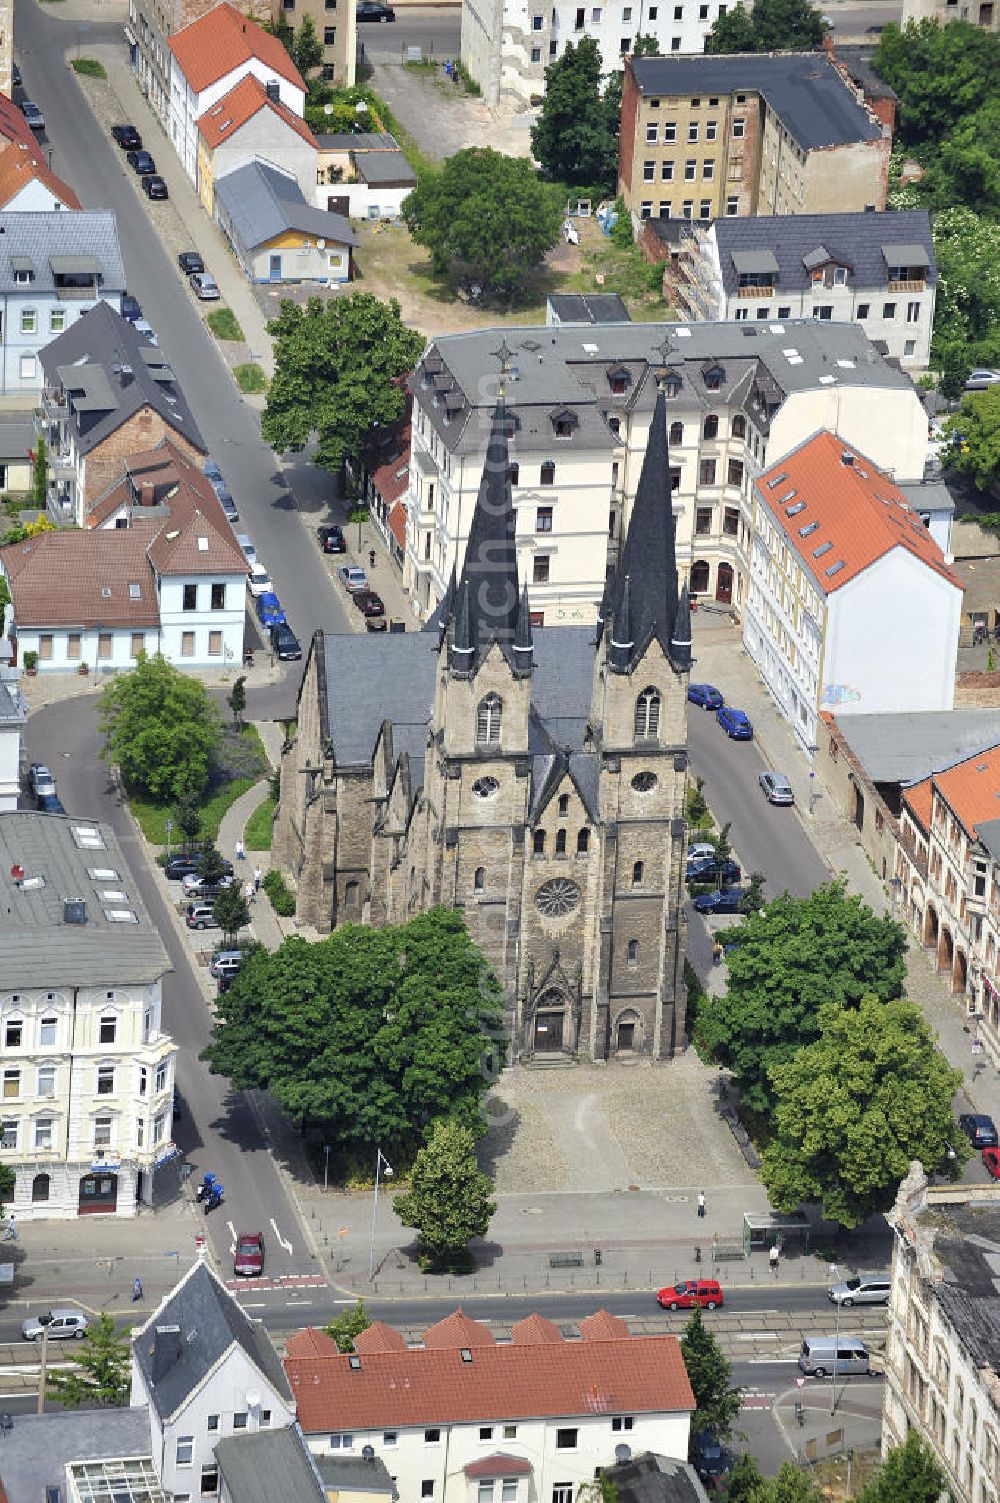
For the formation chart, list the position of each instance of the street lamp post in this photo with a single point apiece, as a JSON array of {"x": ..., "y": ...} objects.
[
  {"x": 835, "y": 1275},
  {"x": 381, "y": 1162}
]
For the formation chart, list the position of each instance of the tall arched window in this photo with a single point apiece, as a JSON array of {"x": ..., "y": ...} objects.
[
  {"x": 637, "y": 871},
  {"x": 560, "y": 842},
  {"x": 351, "y": 891},
  {"x": 632, "y": 954},
  {"x": 739, "y": 427},
  {"x": 563, "y": 805},
  {"x": 488, "y": 718},
  {"x": 711, "y": 426},
  {"x": 582, "y": 841},
  {"x": 479, "y": 881},
  {"x": 40, "y": 1187},
  {"x": 515, "y": 474},
  {"x": 676, "y": 433},
  {"x": 547, "y": 475},
  {"x": 538, "y": 843},
  {"x": 647, "y": 714}
]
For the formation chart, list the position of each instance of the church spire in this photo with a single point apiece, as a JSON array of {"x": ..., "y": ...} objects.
[
  {"x": 524, "y": 646},
  {"x": 622, "y": 648},
  {"x": 649, "y": 561},
  {"x": 680, "y": 637}
]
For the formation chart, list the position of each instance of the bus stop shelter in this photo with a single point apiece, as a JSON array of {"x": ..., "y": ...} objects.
[{"x": 776, "y": 1228}]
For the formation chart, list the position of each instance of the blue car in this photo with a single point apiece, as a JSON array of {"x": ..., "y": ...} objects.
[
  {"x": 726, "y": 901},
  {"x": 735, "y": 723},
  {"x": 269, "y": 609},
  {"x": 706, "y": 695}
]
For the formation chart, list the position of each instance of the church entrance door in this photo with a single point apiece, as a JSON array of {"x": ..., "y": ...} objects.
[{"x": 548, "y": 1032}]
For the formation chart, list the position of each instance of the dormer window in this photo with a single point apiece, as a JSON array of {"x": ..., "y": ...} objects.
[
  {"x": 619, "y": 380},
  {"x": 672, "y": 384},
  {"x": 564, "y": 423},
  {"x": 714, "y": 377}
]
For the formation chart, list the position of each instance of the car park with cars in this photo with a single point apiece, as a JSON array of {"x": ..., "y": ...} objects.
[
  {"x": 702, "y": 850},
  {"x": 247, "y": 544},
  {"x": 991, "y": 1162},
  {"x": 269, "y": 610},
  {"x": 248, "y": 1259},
  {"x": 979, "y": 1129},
  {"x": 204, "y": 286},
  {"x": 193, "y": 885},
  {"x": 777, "y": 788},
  {"x": 190, "y": 261},
  {"x": 127, "y": 137},
  {"x": 201, "y": 915},
  {"x": 62, "y": 1324},
  {"x": 735, "y": 723},
  {"x": 713, "y": 870},
  {"x": 286, "y": 645},
  {"x": 706, "y": 1294},
  {"x": 354, "y": 577},
  {"x": 705, "y": 695},
  {"x": 727, "y": 900},
  {"x": 178, "y": 867},
  {"x": 331, "y": 538}
]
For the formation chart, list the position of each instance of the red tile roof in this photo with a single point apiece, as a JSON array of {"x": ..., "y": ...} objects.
[
  {"x": 972, "y": 788},
  {"x": 22, "y": 159},
  {"x": 220, "y": 41},
  {"x": 241, "y": 104},
  {"x": 919, "y": 799},
  {"x": 436, "y": 1386},
  {"x": 397, "y": 523},
  {"x": 378, "y": 1337},
  {"x": 854, "y": 513},
  {"x": 534, "y": 1330},
  {"x": 603, "y": 1326},
  {"x": 498, "y": 1465},
  {"x": 83, "y": 578},
  {"x": 458, "y": 1330},
  {"x": 310, "y": 1343}
]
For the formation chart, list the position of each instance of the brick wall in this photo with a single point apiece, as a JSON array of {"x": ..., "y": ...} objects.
[
  {"x": 106, "y": 462},
  {"x": 626, "y": 140},
  {"x": 977, "y": 691}
]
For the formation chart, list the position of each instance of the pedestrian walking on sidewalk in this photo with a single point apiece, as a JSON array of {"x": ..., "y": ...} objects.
[
  {"x": 258, "y": 877},
  {"x": 10, "y": 1230},
  {"x": 701, "y": 1203},
  {"x": 137, "y": 1293},
  {"x": 241, "y": 850},
  {"x": 249, "y": 892},
  {"x": 772, "y": 1258},
  {"x": 371, "y": 558}
]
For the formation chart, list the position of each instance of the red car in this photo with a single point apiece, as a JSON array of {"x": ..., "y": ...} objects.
[
  {"x": 248, "y": 1260},
  {"x": 991, "y": 1161},
  {"x": 703, "y": 1292},
  {"x": 368, "y": 603}
]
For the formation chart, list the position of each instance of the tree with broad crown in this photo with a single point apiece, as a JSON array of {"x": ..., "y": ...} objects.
[
  {"x": 307, "y": 49},
  {"x": 488, "y": 213},
  {"x": 212, "y": 867},
  {"x": 102, "y": 1377},
  {"x": 784, "y": 964},
  {"x": 752, "y": 900},
  {"x": 975, "y": 433},
  {"x": 162, "y": 729},
  {"x": 967, "y": 310},
  {"x": 772, "y": 26},
  {"x": 237, "y": 700},
  {"x": 909, "y": 1474},
  {"x": 717, "y": 1403},
  {"x": 573, "y": 135},
  {"x": 336, "y": 376},
  {"x": 371, "y": 1033},
  {"x": 855, "y": 1107},
  {"x": 745, "y": 1481},
  {"x": 343, "y": 1328},
  {"x": 231, "y": 912},
  {"x": 942, "y": 75},
  {"x": 449, "y": 1197}
]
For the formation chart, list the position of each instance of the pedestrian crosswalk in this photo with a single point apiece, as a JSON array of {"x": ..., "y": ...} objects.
[{"x": 281, "y": 1283}]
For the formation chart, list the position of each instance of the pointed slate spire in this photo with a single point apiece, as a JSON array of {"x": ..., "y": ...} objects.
[
  {"x": 524, "y": 647},
  {"x": 680, "y": 637},
  {"x": 462, "y": 655},
  {"x": 622, "y": 648},
  {"x": 649, "y": 560}
]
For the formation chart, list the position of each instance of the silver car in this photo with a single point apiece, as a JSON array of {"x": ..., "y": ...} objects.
[
  {"x": 58, "y": 1325},
  {"x": 864, "y": 1289},
  {"x": 777, "y": 788}
]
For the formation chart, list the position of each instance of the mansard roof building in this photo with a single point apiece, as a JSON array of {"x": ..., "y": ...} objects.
[{"x": 531, "y": 777}]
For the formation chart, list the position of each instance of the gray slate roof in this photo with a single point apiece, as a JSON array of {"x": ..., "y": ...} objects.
[
  {"x": 364, "y": 140},
  {"x": 81, "y": 360},
  {"x": 968, "y": 1246},
  {"x": 211, "y": 1321},
  {"x": 37, "y": 944},
  {"x": 649, "y": 1478},
  {"x": 262, "y": 202},
  {"x": 17, "y": 436},
  {"x": 384, "y": 167},
  {"x": 854, "y": 240},
  {"x": 38, "y": 1448},
  {"x": 267, "y": 1465},
  {"x": 347, "y": 1474},
  {"x": 589, "y": 308},
  {"x": 44, "y": 238},
  {"x": 803, "y": 89},
  {"x": 927, "y": 495},
  {"x": 905, "y": 748}
]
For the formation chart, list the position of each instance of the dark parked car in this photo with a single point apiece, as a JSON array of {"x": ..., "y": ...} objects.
[
  {"x": 706, "y": 695},
  {"x": 726, "y": 901},
  {"x": 190, "y": 261},
  {"x": 130, "y": 307},
  {"x": 50, "y": 803},
  {"x": 331, "y": 539},
  {"x": 368, "y": 603},
  {"x": 710, "y": 870},
  {"x": 140, "y": 161},
  {"x": 181, "y": 866},
  {"x": 710, "y": 1458},
  {"x": 33, "y": 115},
  {"x": 285, "y": 643},
  {"x": 371, "y": 10},
  {"x": 979, "y": 1129},
  {"x": 127, "y": 137},
  {"x": 735, "y": 723},
  {"x": 15, "y": 76},
  {"x": 154, "y": 187}
]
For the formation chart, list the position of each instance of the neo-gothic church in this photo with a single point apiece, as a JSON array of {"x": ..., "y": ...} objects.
[{"x": 533, "y": 778}]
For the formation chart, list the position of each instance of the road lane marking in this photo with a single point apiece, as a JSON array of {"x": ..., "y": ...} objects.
[
  {"x": 260, "y": 1304},
  {"x": 296, "y": 1304},
  {"x": 232, "y": 1239},
  {"x": 757, "y": 1335},
  {"x": 286, "y": 1246}
]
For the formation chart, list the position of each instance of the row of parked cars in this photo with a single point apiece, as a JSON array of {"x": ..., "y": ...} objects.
[{"x": 43, "y": 789}]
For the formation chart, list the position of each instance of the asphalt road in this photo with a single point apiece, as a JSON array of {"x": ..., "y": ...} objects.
[{"x": 435, "y": 29}]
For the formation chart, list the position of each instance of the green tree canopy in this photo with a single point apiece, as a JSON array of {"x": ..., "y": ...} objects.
[
  {"x": 307, "y": 49},
  {"x": 102, "y": 1377},
  {"x": 162, "y": 729},
  {"x": 784, "y": 964},
  {"x": 718, "y": 1403},
  {"x": 573, "y": 138},
  {"x": 975, "y": 431},
  {"x": 372, "y": 1033},
  {"x": 909, "y": 1474},
  {"x": 772, "y": 26},
  {"x": 350, "y": 1323},
  {"x": 942, "y": 74},
  {"x": 855, "y": 1107},
  {"x": 449, "y": 1197},
  {"x": 967, "y": 309},
  {"x": 231, "y": 912},
  {"x": 487, "y": 213},
  {"x": 337, "y": 364}
]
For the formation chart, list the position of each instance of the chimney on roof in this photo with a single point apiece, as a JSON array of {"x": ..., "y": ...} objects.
[
  {"x": 166, "y": 1350},
  {"x": 274, "y": 91},
  {"x": 147, "y": 496}
]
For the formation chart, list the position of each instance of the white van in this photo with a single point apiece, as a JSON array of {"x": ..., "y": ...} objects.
[{"x": 821, "y": 1355}]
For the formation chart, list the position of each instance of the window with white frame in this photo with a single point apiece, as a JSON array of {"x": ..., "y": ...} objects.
[
  {"x": 8, "y": 1132},
  {"x": 484, "y": 1492},
  {"x": 46, "y": 1084},
  {"x": 343, "y": 1440},
  {"x": 508, "y": 1490},
  {"x": 390, "y": 1437},
  {"x": 47, "y": 1031},
  {"x": 161, "y": 1078},
  {"x": 11, "y": 1084},
  {"x": 102, "y": 1132},
  {"x": 105, "y": 1080},
  {"x": 184, "y": 1455},
  {"x": 562, "y": 1492},
  {"x": 240, "y": 1420},
  {"x": 566, "y": 1438},
  {"x": 108, "y": 1029}
]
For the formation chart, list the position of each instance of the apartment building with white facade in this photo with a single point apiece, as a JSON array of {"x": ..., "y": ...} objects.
[
  {"x": 580, "y": 399},
  {"x": 852, "y": 605},
  {"x": 942, "y": 1356},
  {"x": 88, "y": 1071},
  {"x": 877, "y": 270},
  {"x": 508, "y": 44},
  {"x": 464, "y": 1419}
]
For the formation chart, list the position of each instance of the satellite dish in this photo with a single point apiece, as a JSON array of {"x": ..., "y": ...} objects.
[
  {"x": 321, "y": 245},
  {"x": 623, "y": 1453}
]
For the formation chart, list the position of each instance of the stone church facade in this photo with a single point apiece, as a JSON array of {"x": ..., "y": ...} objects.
[{"x": 532, "y": 778}]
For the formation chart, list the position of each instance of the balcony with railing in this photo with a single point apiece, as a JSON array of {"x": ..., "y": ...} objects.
[
  {"x": 764, "y": 289},
  {"x": 909, "y": 845},
  {"x": 907, "y": 284}
]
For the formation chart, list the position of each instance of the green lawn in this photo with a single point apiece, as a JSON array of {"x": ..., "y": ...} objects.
[
  {"x": 250, "y": 377},
  {"x": 152, "y": 818},
  {"x": 224, "y": 324},
  {"x": 89, "y": 67},
  {"x": 258, "y": 827}
]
